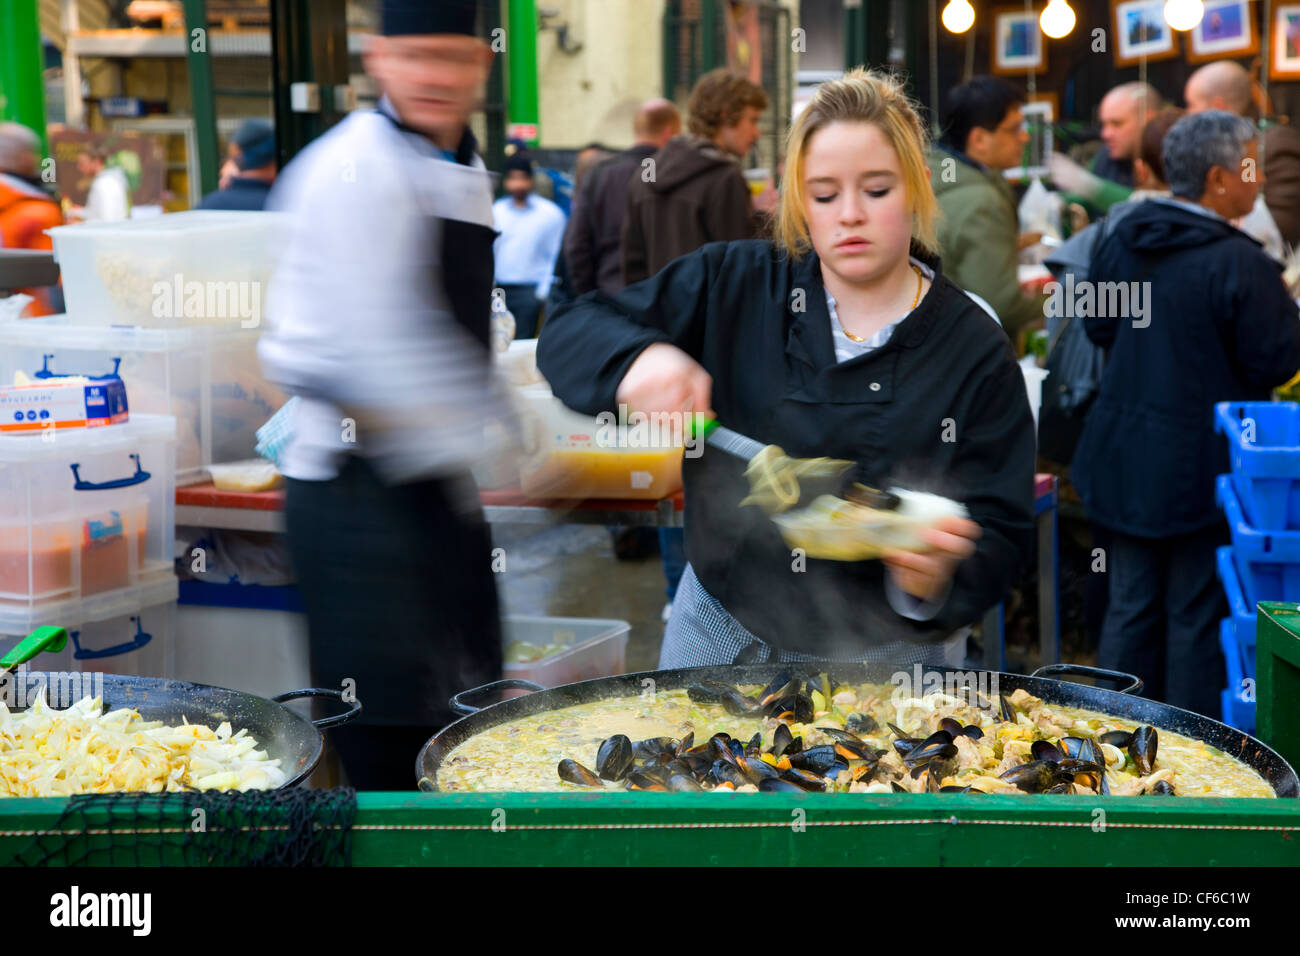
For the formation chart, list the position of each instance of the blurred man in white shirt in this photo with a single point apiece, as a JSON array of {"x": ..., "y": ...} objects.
[
  {"x": 532, "y": 230},
  {"x": 109, "y": 197}
]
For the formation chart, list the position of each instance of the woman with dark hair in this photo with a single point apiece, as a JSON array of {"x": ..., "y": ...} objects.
[{"x": 1194, "y": 313}]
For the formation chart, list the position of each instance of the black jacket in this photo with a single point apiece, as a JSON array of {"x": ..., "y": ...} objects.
[
  {"x": 693, "y": 194},
  {"x": 1222, "y": 328},
  {"x": 758, "y": 323},
  {"x": 593, "y": 242}
]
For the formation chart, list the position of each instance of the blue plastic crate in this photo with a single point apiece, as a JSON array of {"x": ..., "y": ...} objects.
[
  {"x": 1237, "y": 712},
  {"x": 1265, "y": 471},
  {"x": 1242, "y": 614},
  {"x": 1268, "y": 561}
]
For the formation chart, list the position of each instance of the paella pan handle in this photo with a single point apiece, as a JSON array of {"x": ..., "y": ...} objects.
[
  {"x": 1131, "y": 684},
  {"x": 324, "y": 722},
  {"x": 510, "y": 683}
]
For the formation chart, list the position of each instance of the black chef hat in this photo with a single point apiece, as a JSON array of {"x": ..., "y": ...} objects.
[{"x": 425, "y": 17}]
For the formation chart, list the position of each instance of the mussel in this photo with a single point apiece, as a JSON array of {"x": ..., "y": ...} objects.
[
  {"x": 1161, "y": 788},
  {"x": 1142, "y": 748},
  {"x": 637, "y": 780},
  {"x": 682, "y": 783},
  {"x": 614, "y": 759},
  {"x": 738, "y": 705},
  {"x": 818, "y": 760},
  {"x": 938, "y": 746},
  {"x": 782, "y": 685},
  {"x": 795, "y": 707},
  {"x": 755, "y": 746},
  {"x": 861, "y": 723},
  {"x": 573, "y": 772},
  {"x": 1117, "y": 738},
  {"x": 708, "y": 691},
  {"x": 1006, "y": 711},
  {"x": 1036, "y": 776},
  {"x": 782, "y": 738},
  {"x": 804, "y": 780},
  {"x": 654, "y": 746},
  {"x": 779, "y": 785},
  {"x": 1046, "y": 750}
]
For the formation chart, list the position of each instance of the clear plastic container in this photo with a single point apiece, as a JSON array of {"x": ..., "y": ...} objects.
[
  {"x": 209, "y": 380},
  {"x": 87, "y": 511},
  {"x": 142, "y": 271},
  {"x": 595, "y": 648},
  {"x": 131, "y": 631},
  {"x": 575, "y": 456}
]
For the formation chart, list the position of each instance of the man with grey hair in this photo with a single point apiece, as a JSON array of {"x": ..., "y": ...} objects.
[
  {"x": 1191, "y": 312},
  {"x": 1225, "y": 85},
  {"x": 27, "y": 208}
]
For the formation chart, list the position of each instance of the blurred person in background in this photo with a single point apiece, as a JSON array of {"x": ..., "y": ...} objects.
[
  {"x": 588, "y": 158},
  {"x": 979, "y": 232},
  {"x": 692, "y": 192},
  {"x": 382, "y": 304},
  {"x": 1274, "y": 220},
  {"x": 253, "y": 153},
  {"x": 109, "y": 197},
  {"x": 593, "y": 240},
  {"x": 1218, "y": 325},
  {"x": 27, "y": 208},
  {"x": 531, "y": 231},
  {"x": 1124, "y": 113}
]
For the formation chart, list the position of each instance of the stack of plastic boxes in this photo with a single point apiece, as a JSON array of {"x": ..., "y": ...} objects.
[
  {"x": 174, "y": 306},
  {"x": 1260, "y": 499}
]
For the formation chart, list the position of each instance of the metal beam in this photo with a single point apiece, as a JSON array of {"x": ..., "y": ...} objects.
[{"x": 198, "y": 59}]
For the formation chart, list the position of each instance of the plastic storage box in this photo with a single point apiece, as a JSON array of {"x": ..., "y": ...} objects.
[
  {"x": 1242, "y": 615},
  {"x": 87, "y": 511},
  {"x": 182, "y": 269},
  {"x": 1237, "y": 711},
  {"x": 1268, "y": 561},
  {"x": 131, "y": 631},
  {"x": 209, "y": 380},
  {"x": 596, "y": 648},
  {"x": 1265, "y": 470},
  {"x": 573, "y": 456}
]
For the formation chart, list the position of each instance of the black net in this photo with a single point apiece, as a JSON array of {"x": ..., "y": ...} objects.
[{"x": 292, "y": 827}]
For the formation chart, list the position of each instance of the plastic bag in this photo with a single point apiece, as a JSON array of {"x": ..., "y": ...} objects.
[{"x": 1040, "y": 210}]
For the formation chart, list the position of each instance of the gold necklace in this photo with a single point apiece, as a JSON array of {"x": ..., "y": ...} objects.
[{"x": 916, "y": 299}]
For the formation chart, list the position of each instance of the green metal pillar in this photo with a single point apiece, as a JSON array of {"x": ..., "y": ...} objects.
[
  {"x": 709, "y": 58},
  {"x": 494, "y": 109},
  {"x": 866, "y": 33},
  {"x": 198, "y": 60},
  {"x": 521, "y": 51},
  {"x": 22, "y": 88}
]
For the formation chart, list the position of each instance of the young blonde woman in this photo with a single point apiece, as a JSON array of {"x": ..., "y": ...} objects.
[{"x": 841, "y": 338}]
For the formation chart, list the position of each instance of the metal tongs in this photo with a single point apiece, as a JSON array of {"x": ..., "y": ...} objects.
[{"x": 804, "y": 478}]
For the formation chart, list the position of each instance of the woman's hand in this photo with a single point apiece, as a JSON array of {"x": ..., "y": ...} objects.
[
  {"x": 927, "y": 576},
  {"x": 665, "y": 379}
]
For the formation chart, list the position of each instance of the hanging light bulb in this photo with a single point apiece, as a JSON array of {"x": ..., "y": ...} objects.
[
  {"x": 1184, "y": 14},
  {"x": 1057, "y": 19},
  {"x": 958, "y": 16}
]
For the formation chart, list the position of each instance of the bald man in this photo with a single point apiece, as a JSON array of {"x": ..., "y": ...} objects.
[
  {"x": 1123, "y": 113},
  {"x": 1225, "y": 85},
  {"x": 591, "y": 244}
]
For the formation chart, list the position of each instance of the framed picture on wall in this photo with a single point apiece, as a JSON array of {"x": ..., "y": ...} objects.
[
  {"x": 1141, "y": 32},
  {"x": 1284, "y": 58},
  {"x": 1226, "y": 30},
  {"x": 1018, "y": 45}
]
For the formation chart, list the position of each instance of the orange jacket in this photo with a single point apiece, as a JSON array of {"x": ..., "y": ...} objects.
[{"x": 26, "y": 211}]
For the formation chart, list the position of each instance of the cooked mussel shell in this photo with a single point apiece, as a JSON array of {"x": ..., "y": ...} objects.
[
  {"x": 1142, "y": 749},
  {"x": 723, "y": 772},
  {"x": 1046, "y": 750},
  {"x": 973, "y": 732},
  {"x": 836, "y": 734},
  {"x": 780, "y": 687},
  {"x": 953, "y": 788},
  {"x": 637, "y": 780},
  {"x": 682, "y": 783},
  {"x": 861, "y": 723},
  {"x": 798, "y": 708},
  {"x": 614, "y": 759},
  {"x": 938, "y": 746},
  {"x": 738, "y": 705},
  {"x": 858, "y": 750},
  {"x": 1063, "y": 787},
  {"x": 571, "y": 771},
  {"x": 1005, "y": 710},
  {"x": 1117, "y": 738},
  {"x": 709, "y": 691},
  {"x": 652, "y": 747},
  {"x": 755, "y": 770},
  {"x": 1036, "y": 776},
  {"x": 905, "y": 745},
  {"x": 1161, "y": 788},
  {"x": 811, "y": 782},
  {"x": 720, "y": 748},
  {"x": 951, "y": 726},
  {"x": 818, "y": 760},
  {"x": 781, "y": 740},
  {"x": 897, "y": 787},
  {"x": 1070, "y": 746},
  {"x": 1090, "y": 751},
  {"x": 779, "y": 785},
  {"x": 686, "y": 743}
]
